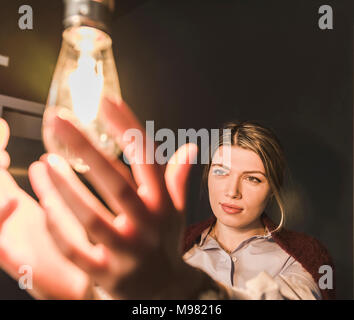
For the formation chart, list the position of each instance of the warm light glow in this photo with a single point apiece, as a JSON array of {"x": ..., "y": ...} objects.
[
  {"x": 85, "y": 72},
  {"x": 86, "y": 39},
  {"x": 86, "y": 84}
]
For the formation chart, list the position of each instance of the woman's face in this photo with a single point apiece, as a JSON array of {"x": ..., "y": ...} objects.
[{"x": 238, "y": 188}]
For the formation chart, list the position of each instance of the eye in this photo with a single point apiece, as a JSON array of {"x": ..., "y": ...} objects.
[
  {"x": 253, "y": 179},
  {"x": 219, "y": 172}
]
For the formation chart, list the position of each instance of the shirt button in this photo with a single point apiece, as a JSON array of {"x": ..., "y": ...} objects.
[{"x": 234, "y": 259}]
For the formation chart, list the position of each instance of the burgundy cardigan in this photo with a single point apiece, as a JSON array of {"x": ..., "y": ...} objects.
[{"x": 305, "y": 249}]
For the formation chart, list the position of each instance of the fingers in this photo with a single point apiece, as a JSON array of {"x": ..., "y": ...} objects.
[
  {"x": 177, "y": 172},
  {"x": 66, "y": 231},
  {"x": 93, "y": 216},
  {"x": 141, "y": 153},
  {"x": 99, "y": 261},
  {"x": 4, "y": 134},
  {"x": 103, "y": 175},
  {"x": 49, "y": 118}
]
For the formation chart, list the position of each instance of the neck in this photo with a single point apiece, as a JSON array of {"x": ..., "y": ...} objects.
[{"x": 230, "y": 237}]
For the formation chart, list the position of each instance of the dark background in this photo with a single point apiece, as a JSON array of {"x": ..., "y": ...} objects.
[{"x": 197, "y": 64}]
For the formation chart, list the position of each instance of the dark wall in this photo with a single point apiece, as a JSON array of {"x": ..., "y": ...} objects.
[{"x": 198, "y": 64}]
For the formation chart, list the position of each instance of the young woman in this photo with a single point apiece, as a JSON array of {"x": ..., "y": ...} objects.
[
  {"x": 239, "y": 245},
  {"x": 133, "y": 249}
]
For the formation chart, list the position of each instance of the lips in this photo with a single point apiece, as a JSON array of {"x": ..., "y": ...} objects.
[{"x": 230, "y": 208}]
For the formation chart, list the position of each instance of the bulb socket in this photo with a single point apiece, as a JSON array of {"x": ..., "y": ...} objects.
[{"x": 91, "y": 13}]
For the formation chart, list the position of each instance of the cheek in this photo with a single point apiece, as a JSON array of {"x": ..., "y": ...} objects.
[
  {"x": 256, "y": 196},
  {"x": 211, "y": 189},
  {"x": 215, "y": 190}
]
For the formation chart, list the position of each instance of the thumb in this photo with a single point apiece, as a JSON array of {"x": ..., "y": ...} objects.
[{"x": 177, "y": 172}]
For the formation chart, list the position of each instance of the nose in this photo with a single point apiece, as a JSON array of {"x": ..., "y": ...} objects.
[{"x": 233, "y": 189}]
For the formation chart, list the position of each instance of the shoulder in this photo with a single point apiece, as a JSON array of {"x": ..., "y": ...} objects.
[
  {"x": 309, "y": 252},
  {"x": 304, "y": 248}
]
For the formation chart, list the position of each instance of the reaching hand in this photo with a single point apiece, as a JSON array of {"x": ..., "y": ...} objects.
[
  {"x": 133, "y": 252},
  {"x": 25, "y": 240}
]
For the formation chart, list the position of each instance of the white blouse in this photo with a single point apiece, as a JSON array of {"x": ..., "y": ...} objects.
[{"x": 257, "y": 269}]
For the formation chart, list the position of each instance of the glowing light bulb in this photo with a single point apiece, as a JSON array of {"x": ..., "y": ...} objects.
[
  {"x": 86, "y": 84},
  {"x": 85, "y": 72}
]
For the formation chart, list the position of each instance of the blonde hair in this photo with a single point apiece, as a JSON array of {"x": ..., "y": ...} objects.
[{"x": 253, "y": 136}]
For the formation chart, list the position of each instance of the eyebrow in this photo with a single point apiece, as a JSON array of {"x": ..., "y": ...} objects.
[{"x": 226, "y": 167}]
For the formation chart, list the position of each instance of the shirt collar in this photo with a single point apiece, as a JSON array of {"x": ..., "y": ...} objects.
[{"x": 208, "y": 242}]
